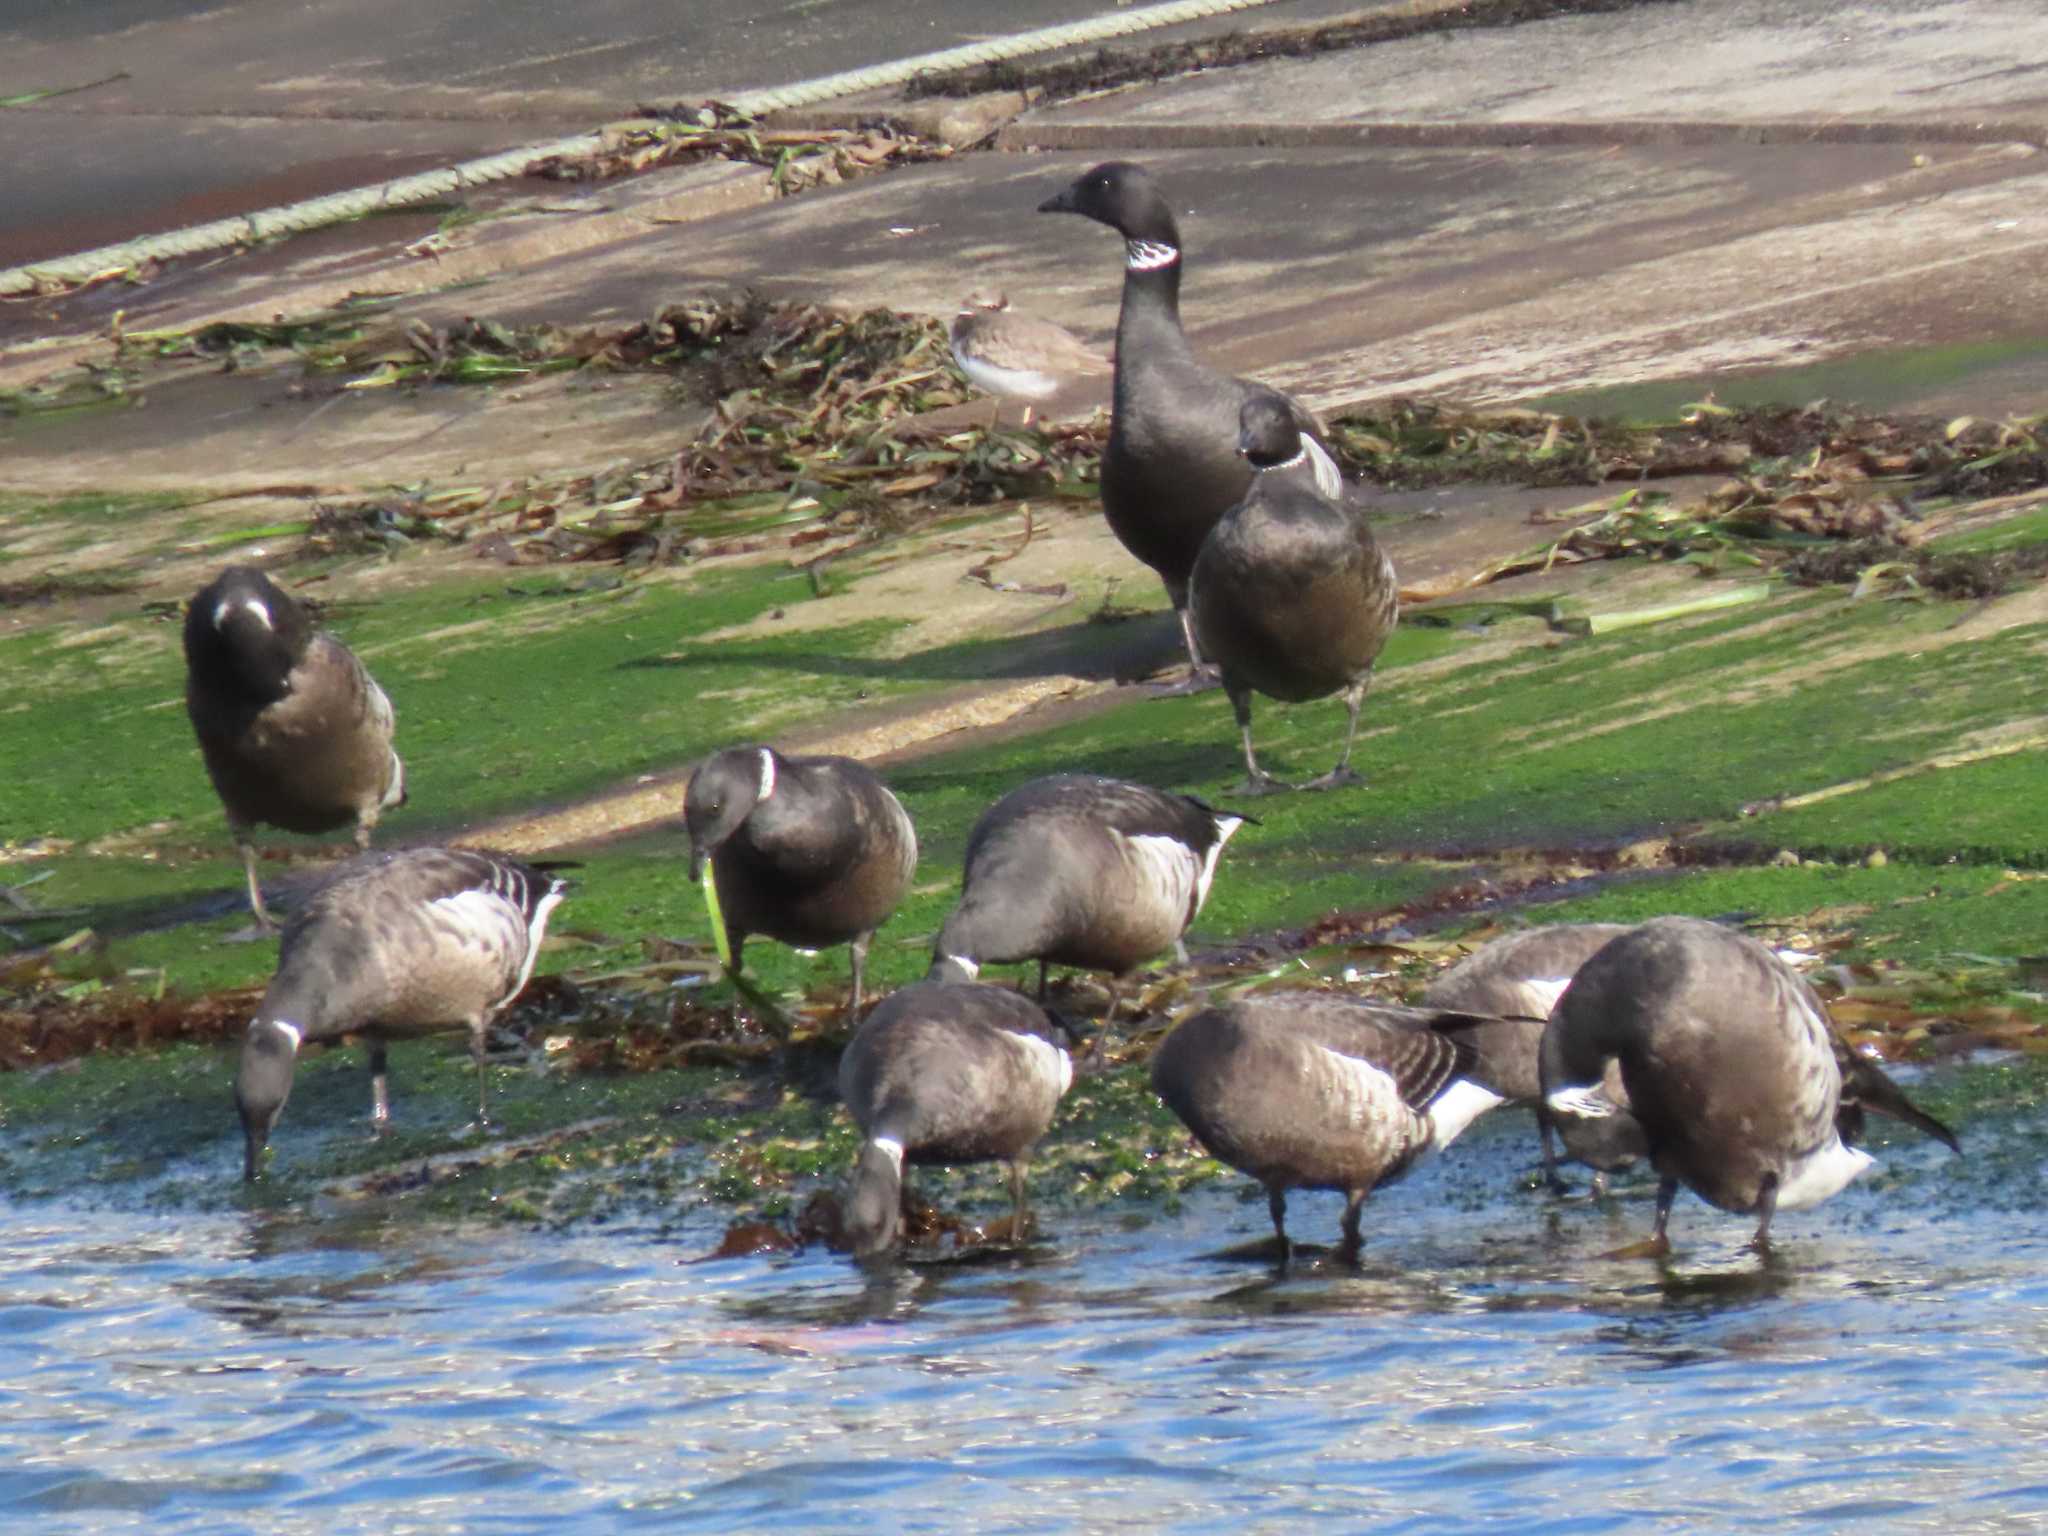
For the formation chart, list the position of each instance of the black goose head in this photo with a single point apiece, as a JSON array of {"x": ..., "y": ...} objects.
[
  {"x": 244, "y": 632},
  {"x": 722, "y": 795},
  {"x": 1123, "y": 196},
  {"x": 263, "y": 1082},
  {"x": 1266, "y": 433}
]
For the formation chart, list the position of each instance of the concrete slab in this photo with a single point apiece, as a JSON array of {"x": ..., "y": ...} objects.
[
  {"x": 1709, "y": 61},
  {"x": 1487, "y": 271}
]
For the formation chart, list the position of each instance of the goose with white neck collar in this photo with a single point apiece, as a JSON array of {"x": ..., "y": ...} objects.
[
  {"x": 809, "y": 851},
  {"x": 1170, "y": 468}
]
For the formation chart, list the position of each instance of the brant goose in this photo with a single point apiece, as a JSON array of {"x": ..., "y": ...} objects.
[
  {"x": 1073, "y": 869},
  {"x": 1169, "y": 470},
  {"x": 946, "y": 1072},
  {"x": 809, "y": 851},
  {"x": 1016, "y": 356},
  {"x": 391, "y": 946},
  {"x": 1519, "y": 977},
  {"x": 1731, "y": 1070},
  {"x": 295, "y": 732},
  {"x": 1318, "y": 1090},
  {"x": 1291, "y": 595}
]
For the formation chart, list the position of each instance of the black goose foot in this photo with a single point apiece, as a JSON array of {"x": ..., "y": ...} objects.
[
  {"x": 1262, "y": 784},
  {"x": 1200, "y": 679},
  {"x": 1336, "y": 778}
]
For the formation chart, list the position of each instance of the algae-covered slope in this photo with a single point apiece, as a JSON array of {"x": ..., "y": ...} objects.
[{"x": 1851, "y": 773}]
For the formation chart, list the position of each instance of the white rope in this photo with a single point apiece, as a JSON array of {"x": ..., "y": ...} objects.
[{"x": 222, "y": 234}]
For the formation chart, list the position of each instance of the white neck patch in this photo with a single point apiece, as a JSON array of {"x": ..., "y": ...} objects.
[
  {"x": 1148, "y": 255},
  {"x": 249, "y": 605},
  {"x": 971, "y": 967},
  {"x": 767, "y": 776},
  {"x": 890, "y": 1148},
  {"x": 284, "y": 1027}
]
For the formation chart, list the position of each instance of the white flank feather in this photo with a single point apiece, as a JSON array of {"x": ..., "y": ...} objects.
[
  {"x": 1457, "y": 1107},
  {"x": 1543, "y": 993},
  {"x": 1049, "y": 1064},
  {"x": 767, "y": 776},
  {"x": 1827, "y": 1171},
  {"x": 1226, "y": 828},
  {"x": 1169, "y": 873}
]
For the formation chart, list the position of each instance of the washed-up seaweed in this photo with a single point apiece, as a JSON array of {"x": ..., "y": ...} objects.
[{"x": 797, "y": 159}]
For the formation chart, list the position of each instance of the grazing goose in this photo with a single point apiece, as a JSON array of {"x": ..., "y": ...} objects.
[
  {"x": 296, "y": 734},
  {"x": 1291, "y": 595},
  {"x": 1170, "y": 469},
  {"x": 810, "y": 851},
  {"x": 1520, "y": 977},
  {"x": 1317, "y": 1090},
  {"x": 1078, "y": 870},
  {"x": 1730, "y": 1067},
  {"x": 1016, "y": 356},
  {"x": 391, "y": 946},
  {"x": 946, "y": 1072}
]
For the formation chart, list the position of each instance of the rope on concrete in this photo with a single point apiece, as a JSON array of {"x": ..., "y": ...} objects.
[{"x": 222, "y": 234}]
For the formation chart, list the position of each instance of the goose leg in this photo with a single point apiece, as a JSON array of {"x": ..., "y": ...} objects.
[
  {"x": 476, "y": 1054},
  {"x": 1202, "y": 675},
  {"x": 1354, "y": 1208},
  {"x": 1276, "y": 1204},
  {"x": 1041, "y": 979},
  {"x": 1354, "y": 696},
  {"x": 264, "y": 922},
  {"x": 380, "y": 1090},
  {"x": 1552, "y": 1179},
  {"x": 860, "y": 960},
  {"x": 1256, "y": 781},
  {"x": 1017, "y": 1212},
  {"x": 1766, "y": 1208},
  {"x": 1656, "y": 1245}
]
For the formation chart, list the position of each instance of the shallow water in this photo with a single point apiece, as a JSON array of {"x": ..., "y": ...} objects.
[{"x": 348, "y": 1370}]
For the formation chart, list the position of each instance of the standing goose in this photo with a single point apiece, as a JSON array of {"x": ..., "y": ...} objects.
[
  {"x": 946, "y": 1072},
  {"x": 1170, "y": 469},
  {"x": 1291, "y": 595},
  {"x": 1730, "y": 1067},
  {"x": 1078, "y": 870},
  {"x": 1317, "y": 1090},
  {"x": 810, "y": 851},
  {"x": 296, "y": 734},
  {"x": 1519, "y": 978},
  {"x": 392, "y": 946},
  {"x": 1016, "y": 356}
]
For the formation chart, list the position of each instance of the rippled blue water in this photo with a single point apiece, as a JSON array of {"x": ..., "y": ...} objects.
[{"x": 352, "y": 1370}]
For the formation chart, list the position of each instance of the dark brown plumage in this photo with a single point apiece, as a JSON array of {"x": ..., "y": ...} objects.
[
  {"x": 946, "y": 1072},
  {"x": 809, "y": 851},
  {"x": 295, "y": 732},
  {"x": 391, "y": 946},
  {"x": 1074, "y": 869},
  {"x": 1730, "y": 1065},
  {"x": 1317, "y": 1090},
  {"x": 1291, "y": 596},
  {"x": 1170, "y": 468}
]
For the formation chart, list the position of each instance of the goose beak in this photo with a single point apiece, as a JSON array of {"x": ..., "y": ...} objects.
[
  {"x": 1062, "y": 202},
  {"x": 698, "y": 854}
]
